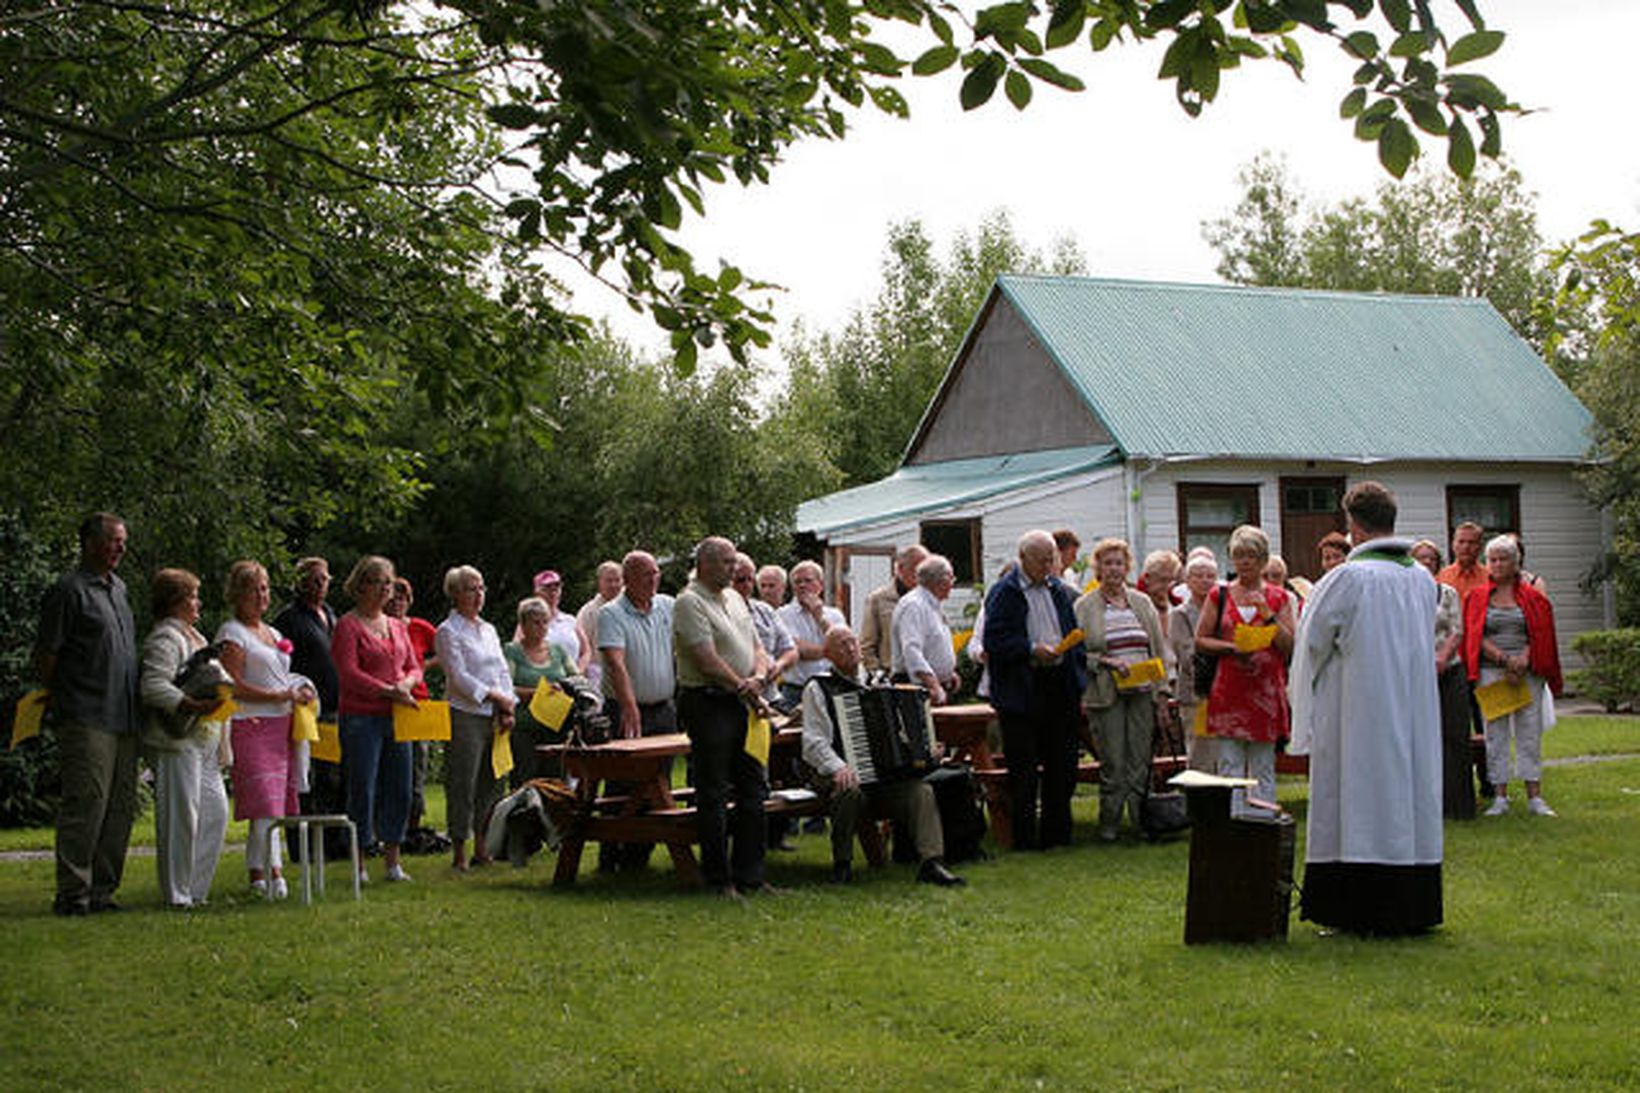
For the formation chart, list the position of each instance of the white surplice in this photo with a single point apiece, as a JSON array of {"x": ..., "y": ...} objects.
[{"x": 1367, "y": 710}]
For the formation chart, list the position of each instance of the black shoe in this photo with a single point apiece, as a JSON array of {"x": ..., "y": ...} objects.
[
  {"x": 105, "y": 905},
  {"x": 842, "y": 873},
  {"x": 933, "y": 871},
  {"x": 69, "y": 908}
]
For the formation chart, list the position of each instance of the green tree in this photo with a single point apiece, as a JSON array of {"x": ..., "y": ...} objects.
[
  {"x": 1435, "y": 234},
  {"x": 863, "y": 389},
  {"x": 1597, "y": 322}
]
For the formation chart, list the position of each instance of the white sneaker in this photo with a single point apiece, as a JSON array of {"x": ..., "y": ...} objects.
[
  {"x": 259, "y": 888},
  {"x": 396, "y": 873},
  {"x": 1498, "y": 807},
  {"x": 1537, "y": 806},
  {"x": 280, "y": 889},
  {"x": 364, "y": 876}
]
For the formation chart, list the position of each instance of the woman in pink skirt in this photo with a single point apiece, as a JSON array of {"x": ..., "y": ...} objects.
[{"x": 265, "y": 774}]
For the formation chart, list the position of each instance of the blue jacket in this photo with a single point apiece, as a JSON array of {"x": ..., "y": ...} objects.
[{"x": 1008, "y": 646}]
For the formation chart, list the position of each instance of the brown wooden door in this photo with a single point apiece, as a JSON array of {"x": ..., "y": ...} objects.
[{"x": 1310, "y": 508}]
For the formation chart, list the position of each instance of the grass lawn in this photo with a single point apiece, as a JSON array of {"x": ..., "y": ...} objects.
[{"x": 1058, "y": 971}]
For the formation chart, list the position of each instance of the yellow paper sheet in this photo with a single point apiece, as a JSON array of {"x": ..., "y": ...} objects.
[
  {"x": 1068, "y": 642},
  {"x": 960, "y": 639},
  {"x": 1502, "y": 698},
  {"x": 31, "y": 709},
  {"x": 1250, "y": 639},
  {"x": 501, "y": 760},
  {"x": 226, "y": 705},
  {"x": 757, "y": 737},
  {"x": 1146, "y": 671},
  {"x": 1198, "y": 724},
  {"x": 304, "y": 722},
  {"x": 328, "y": 746},
  {"x": 550, "y": 706},
  {"x": 430, "y": 720}
]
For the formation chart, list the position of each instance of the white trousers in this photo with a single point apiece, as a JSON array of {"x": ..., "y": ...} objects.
[
  {"x": 262, "y": 843},
  {"x": 1247, "y": 759},
  {"x": 1525, "y": 727},
  {"x": 190, "y": 819}
]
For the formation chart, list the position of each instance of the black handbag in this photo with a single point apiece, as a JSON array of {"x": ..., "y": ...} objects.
[{"x": 1203, "y": 666}]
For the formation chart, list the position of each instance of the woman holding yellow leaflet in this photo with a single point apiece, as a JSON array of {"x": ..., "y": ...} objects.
[
  {"x": 532, "y": 660},
  {"x": 1122, "y": 635},
  {"x": 1253, "y": 635},
  {"x": 1509, "y": 636},
  {"x": 480, "y": 689}
]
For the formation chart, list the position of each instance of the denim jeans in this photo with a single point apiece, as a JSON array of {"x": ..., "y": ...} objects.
[{"x": 378, "y": 776}]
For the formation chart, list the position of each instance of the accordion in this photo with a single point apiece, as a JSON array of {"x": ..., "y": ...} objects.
[{"x": 886, "y": 733}]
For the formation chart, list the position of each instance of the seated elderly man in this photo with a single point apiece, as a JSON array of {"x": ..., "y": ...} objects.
[{"x": 909, "y": 802}]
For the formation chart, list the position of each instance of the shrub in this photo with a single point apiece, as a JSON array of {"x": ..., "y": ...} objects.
[
  {"x": 28, "y": 776},
  {"x": 1612, "y": 677}
]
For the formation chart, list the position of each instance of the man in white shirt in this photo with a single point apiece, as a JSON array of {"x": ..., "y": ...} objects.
[
  {"x": 910, "y": 802},
  {"x": 807, "y": 618},
  {"x": 923, "y": 652},
  {"x": 877, "y": 626}
]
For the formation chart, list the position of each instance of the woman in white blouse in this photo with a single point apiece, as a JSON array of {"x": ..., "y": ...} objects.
[
  {"x": 266, "y": 774},
  {"x": 478, "y": 684}
]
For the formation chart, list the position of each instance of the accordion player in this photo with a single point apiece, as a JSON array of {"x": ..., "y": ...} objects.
[{"x": 885, "y": 733}]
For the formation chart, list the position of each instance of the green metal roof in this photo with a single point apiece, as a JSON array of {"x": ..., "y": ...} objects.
[
  {"x": 1219, "y": 370},
  {"x": 916, "y": 489}
]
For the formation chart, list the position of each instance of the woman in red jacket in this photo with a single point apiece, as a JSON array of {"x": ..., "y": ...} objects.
[{"x": 1509, "y": 634}]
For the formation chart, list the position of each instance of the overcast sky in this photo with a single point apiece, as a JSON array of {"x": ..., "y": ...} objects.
[{"x": 1122, "y": 170}]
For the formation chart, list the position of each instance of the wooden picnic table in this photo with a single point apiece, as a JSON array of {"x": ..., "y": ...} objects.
[
  {"x": 648, "y": 813},
  {"x": 651, "y": 811}
]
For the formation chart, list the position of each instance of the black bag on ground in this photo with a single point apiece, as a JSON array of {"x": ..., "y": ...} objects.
[
  {"x": 956, "y": 795},
  {"x": 1162, "y": 815}
]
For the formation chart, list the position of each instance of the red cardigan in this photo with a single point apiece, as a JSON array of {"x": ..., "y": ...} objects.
[{"x": 1542, "y": 653}]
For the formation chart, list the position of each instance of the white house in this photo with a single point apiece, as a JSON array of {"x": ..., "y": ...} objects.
[{"x": 1168, "y": 414}]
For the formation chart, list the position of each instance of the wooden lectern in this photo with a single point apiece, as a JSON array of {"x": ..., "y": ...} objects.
[{"x": 1241, "y": 871}]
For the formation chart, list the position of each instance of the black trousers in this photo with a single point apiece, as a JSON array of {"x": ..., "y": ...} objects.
[
  {"x": 1044, "y": 736},
  {"x": 722, "y": 771}
]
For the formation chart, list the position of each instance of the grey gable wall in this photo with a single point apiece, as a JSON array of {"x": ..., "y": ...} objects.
[{"x": 1005, "y": 395}]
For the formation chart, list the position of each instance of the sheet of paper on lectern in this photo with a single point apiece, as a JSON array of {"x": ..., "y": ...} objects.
[{"x": 1197, "y": 779}]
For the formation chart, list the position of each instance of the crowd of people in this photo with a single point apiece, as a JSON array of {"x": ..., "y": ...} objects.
[{"x": 1062, "y": 665}]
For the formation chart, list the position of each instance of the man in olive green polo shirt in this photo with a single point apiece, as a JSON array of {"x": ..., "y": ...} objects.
[{"x": 720, "y": 668}]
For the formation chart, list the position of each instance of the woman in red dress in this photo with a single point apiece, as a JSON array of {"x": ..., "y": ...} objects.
[{"x": 1247, "y": 707}]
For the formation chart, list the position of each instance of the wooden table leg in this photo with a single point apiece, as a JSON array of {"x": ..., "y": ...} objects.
[
  {"x": 569, "y": 861},
  {"x": 684, "y": 864}
]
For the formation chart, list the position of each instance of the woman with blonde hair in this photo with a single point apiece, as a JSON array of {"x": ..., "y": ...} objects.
[
  {"x": 267, "y": 772},
  {"x": 1247, "y": 706},
  {"x": 190, "y": 804},
  {"x": 378, "y": 669},
  {"x": 1122, "y": 629}
]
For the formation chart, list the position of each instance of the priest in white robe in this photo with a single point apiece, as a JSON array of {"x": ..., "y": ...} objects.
[{"x": 1366, "y": 708}]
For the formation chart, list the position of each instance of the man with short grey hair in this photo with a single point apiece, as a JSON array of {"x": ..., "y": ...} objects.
[
  {"x": 85, "y": 654},
  {"x": 923, "y": 651},
  {"x": 877, "y": 625},
  {"x": 1035, "y": 690},
  {"x": 807, "y": 617}
]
